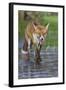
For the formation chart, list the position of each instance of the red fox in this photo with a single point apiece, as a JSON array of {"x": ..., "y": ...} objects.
[{"x": 35, "y": 35}]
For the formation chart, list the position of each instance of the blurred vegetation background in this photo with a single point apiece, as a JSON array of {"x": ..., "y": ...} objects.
[{"x": 24, "y": 17}]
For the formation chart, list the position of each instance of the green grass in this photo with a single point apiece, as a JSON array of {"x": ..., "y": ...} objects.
[
  {"x": 22, "y": 26},
  {"x": 52, "y": 37}
]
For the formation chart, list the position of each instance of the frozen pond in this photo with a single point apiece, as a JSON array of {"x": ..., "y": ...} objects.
[{"x": 47, "y": 68}]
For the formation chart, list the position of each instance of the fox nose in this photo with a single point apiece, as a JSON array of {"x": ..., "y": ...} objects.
[{"x": 42, "y": 39}]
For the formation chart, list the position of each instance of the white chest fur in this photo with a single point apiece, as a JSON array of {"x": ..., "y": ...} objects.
[{"x": 35, "y": 38}]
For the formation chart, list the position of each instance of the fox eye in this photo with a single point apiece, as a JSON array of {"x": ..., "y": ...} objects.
[
  {"x": 38, "y": 36},
  {"x": 45, "y": 35}
]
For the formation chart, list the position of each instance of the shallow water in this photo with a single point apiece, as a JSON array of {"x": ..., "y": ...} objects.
[{"x": 47, "y": 68}]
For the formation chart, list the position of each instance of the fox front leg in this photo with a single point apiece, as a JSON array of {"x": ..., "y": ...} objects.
[
  {"x": 29, "y": 42},
  {"x": 37, "y": 56}
]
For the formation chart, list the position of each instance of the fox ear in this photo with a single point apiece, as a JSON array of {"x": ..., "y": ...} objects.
[
  {"x": 47, "y": 26},
  {"x": 34, "y": 25}
]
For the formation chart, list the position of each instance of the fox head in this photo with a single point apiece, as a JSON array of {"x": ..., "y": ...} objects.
[{"x": 40, "y": 33}]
